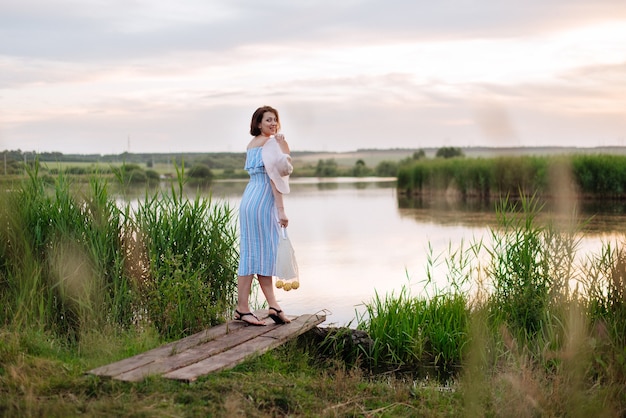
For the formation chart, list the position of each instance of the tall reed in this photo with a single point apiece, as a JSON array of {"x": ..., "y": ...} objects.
[
  {"x": 520, "y": 268},
  {"x": 599, "y": 176},
  {"x": 190, "y": 246},
  {"x": 73, "y": 259},
  {"x": 416, "y": 333},
  {"x": 605, "y": 285}
]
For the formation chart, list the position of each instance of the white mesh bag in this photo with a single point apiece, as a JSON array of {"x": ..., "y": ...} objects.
[{"x": 286, "y": 265}]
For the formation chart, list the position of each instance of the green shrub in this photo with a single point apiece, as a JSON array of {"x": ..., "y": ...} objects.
[{"x": 200, "y": 172}]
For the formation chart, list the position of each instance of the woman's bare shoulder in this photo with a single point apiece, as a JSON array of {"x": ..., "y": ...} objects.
[{"x": 256, "y": 142}]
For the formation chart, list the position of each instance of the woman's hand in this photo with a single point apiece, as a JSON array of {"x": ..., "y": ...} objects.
[
  {"x": 282, "y": 218},
  {"x": 282, "y": 143}
]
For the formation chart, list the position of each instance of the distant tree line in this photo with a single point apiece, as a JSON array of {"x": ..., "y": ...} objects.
[{"x": 198, "y": 166}]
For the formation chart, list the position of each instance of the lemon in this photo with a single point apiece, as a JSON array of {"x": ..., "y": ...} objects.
[
  {"x": 279, "y": 283},
  {"x": 287, "y": 287},
  {"x": 295, "y": 284}
]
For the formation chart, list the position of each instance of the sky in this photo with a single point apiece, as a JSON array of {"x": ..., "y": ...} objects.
[{"x": 156, "y": 76}]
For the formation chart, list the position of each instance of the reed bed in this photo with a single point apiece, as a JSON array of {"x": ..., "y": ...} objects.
[
  {"x": 593, "y": 176},
  {"x": 73, "y": 260}
]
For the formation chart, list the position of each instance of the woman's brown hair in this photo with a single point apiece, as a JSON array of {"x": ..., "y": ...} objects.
[{"x": 257, "y": 117}]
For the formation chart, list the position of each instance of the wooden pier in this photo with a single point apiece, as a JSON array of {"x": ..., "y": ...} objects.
[{"x": 214, "y": 349}]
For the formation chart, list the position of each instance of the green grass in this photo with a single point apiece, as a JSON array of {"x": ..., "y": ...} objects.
[
  {"x": 417, "y": 334},
  {"x": 43, "y": 377}
]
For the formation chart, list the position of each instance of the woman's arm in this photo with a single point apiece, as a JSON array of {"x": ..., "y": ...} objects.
[
  {"x": 280, "y": 206},
  {"x": 278, "y": 196}
]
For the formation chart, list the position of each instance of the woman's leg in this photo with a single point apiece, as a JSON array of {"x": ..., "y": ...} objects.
[
  {"x": 244, "y": 286},
  {"x": 267, "y": 286}
]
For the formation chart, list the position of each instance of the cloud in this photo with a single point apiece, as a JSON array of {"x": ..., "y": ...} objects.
[
  {"x": 349, "y": 73},
  {"x": 117, "y": 29}
]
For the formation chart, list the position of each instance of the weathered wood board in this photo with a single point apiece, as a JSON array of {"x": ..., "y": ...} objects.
[{"x": 218, "y": 348}]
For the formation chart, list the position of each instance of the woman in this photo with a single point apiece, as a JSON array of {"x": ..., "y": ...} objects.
[{"x": 262, "y": 213}]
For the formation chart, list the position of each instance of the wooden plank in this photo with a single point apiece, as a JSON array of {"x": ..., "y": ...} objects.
[
  {"x": 195, "y": 354},
  {"x": 228, "y": 359},
  {"x": 209, "y": 347},
  {"x": 167, "y": 350}
]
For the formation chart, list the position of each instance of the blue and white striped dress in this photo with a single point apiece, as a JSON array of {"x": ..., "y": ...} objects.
[{"x": 258, "y": 222}]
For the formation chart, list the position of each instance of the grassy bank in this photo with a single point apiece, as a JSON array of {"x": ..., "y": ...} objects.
[
  {"x": 41, "y": 377},
  {"x": 594, "y": 176},
  {"x": 524, "y": 327}
]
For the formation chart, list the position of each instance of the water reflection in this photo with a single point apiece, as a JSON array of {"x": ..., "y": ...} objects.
[
  {"x": 474, "y": 212},
  {"x": 592, "y": 217}
]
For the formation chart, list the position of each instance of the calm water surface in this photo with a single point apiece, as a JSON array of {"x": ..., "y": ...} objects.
[{"x": 354, "y": 238}]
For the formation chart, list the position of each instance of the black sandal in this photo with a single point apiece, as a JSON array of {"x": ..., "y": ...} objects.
[
  {"x": 276, "y": 317},
  {"x": 241, "y": 315}
]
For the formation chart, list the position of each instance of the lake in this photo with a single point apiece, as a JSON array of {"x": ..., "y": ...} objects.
[{"x": 355, "y": 237}]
